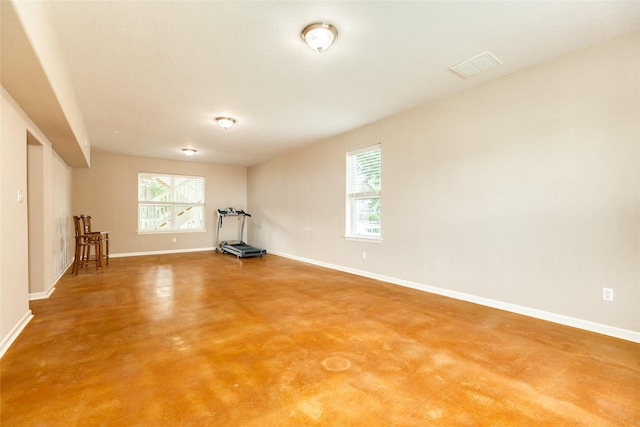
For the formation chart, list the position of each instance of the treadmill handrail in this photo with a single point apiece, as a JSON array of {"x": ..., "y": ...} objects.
[{"x": 229, "y": 211}]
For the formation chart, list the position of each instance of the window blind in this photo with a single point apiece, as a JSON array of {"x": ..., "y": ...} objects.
[{"x": 364, "y": 172}]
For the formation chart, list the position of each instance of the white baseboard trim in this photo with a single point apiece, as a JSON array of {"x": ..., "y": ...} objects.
[
  {"x": 42, "y": 295},
  {"x": 47, "y": 294},
  {"x": 62, "y": 273},
  {"x": 13, "y": 334},
  {"x": 173, "y": 251},
  {"x": 587, "y": 325}
]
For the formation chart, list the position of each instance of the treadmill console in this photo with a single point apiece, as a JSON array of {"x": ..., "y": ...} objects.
[{"x": 232, "y": 212}]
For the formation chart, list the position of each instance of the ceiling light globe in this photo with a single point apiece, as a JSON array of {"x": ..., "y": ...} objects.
[
  {"x": 189, "y": 151},
  {"x": 225, "y": 122},
  {"x": 319, "y": 36}
]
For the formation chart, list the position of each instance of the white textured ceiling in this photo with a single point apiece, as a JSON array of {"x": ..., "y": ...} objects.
[{"x": 150, "y": 76}]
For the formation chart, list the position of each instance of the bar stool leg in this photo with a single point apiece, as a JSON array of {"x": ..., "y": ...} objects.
[
  {"x": 99, "y": 258},
  {"x": 76, "y": 259}
]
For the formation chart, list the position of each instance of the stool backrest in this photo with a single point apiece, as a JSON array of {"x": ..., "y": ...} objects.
[
  {"x": 86, "y": 223},
  {"x": 78, "y": 225}
]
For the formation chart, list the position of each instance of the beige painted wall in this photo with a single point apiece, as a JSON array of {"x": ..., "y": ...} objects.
[
  {"x": 63, "y": 241},
  {"x": 108, "y": 191},
  {"x": 525, "y": 190},
  {"x": 14, "y": 272},
  {"x": 22, "y": 277}
]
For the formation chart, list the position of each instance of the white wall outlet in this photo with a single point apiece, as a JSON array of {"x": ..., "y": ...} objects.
[
  {"x": 175, "y": 240},
  {"x": 607, "y": 294},
  {"x": 20, "y": 196},
  {"x": 364, "y": 255}
]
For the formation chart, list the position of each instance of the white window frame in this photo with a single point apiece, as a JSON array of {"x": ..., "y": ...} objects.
[
  {"x": 352, "y": 196},
  {"x": 173, "y": 204}
]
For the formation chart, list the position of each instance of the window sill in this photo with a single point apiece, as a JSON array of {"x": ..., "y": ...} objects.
[{"x": 363, "y": 239}]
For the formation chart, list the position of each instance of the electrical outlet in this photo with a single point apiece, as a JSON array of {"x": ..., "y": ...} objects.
[
  {"x": 364, "y": 255},
  {"x": 174, "y": 240},
  {"x": 607, "y": 294}
]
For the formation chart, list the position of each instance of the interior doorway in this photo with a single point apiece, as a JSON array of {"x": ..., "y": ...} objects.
[{"x": 39, "y": 277}]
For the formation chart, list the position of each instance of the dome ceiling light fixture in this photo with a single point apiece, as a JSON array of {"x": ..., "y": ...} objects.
[
  {"x": 319, "y": 36},
  {"x": 189, "y": 152},
  {"x": 225, "y": 122}
]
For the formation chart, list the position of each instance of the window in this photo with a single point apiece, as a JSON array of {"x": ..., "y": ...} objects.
[
  {"x": 170, "y": 203},
  {"x": 364, "y": 195}
]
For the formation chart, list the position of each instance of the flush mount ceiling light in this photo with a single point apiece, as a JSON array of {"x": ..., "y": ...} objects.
[
  {"x": 319, "y": 36},
  {"x": 189, "y": 151},
  {"x": 225, "y": 122}
]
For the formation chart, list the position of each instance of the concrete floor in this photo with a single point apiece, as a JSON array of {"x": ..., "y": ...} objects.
[{"x": 203, "y": 339}]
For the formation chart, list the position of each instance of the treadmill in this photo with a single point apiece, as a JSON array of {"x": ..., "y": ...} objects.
[{"x": 236, "y": 247}]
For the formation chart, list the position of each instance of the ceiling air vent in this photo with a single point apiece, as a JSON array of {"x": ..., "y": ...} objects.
[{"x": 476, "y": 65}]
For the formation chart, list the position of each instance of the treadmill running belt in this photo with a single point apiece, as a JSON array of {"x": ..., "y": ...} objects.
[{"x": 242, "y": 250}]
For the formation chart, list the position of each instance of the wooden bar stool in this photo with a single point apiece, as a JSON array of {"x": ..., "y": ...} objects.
[
  {"x": 86, "y": 226},
  {"x": 84, "y": 243}
]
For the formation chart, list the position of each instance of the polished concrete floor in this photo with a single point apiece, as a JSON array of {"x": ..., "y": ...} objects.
[{"x": 204, "y": 339}]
